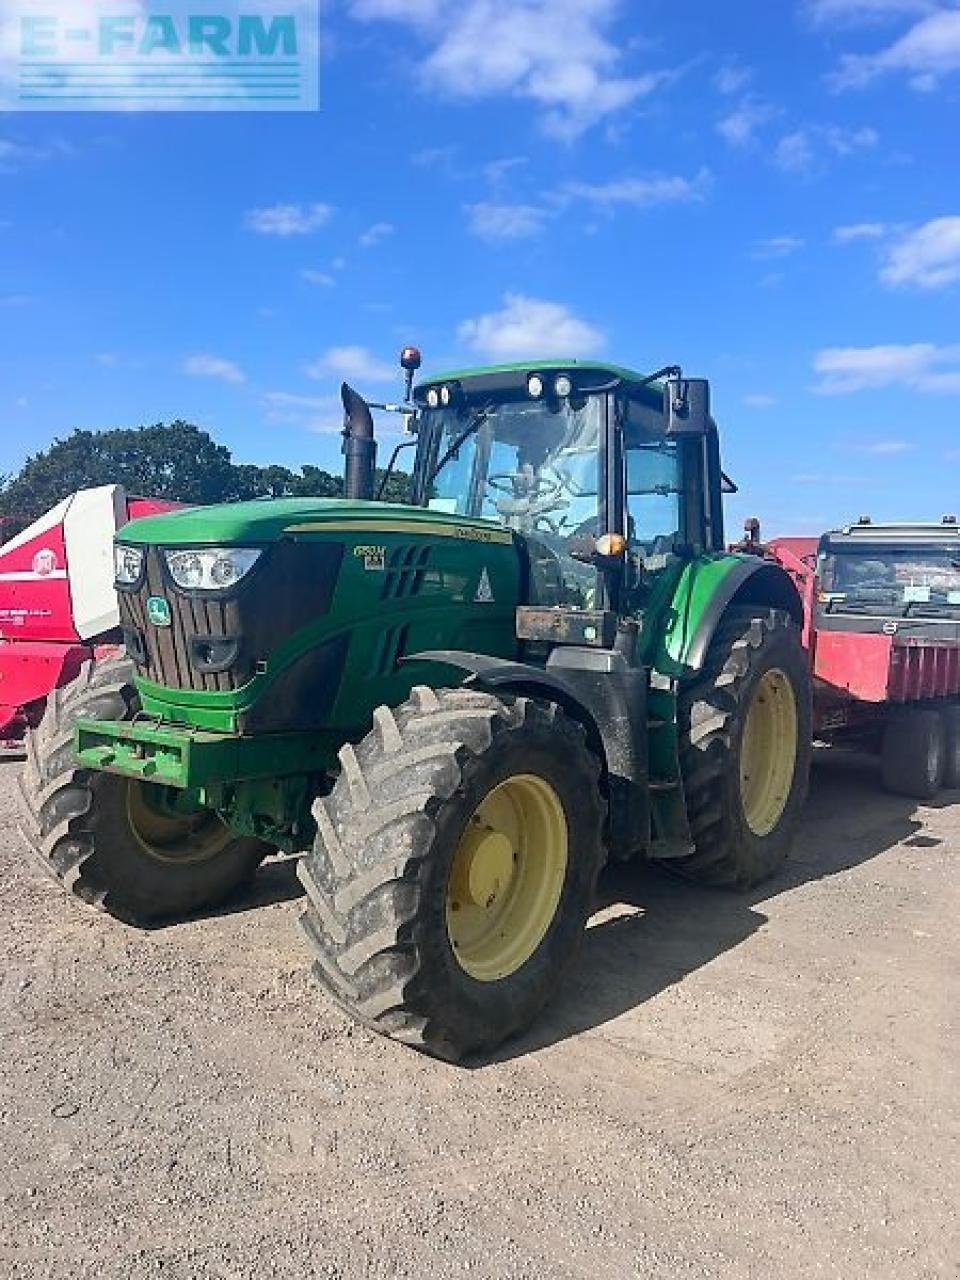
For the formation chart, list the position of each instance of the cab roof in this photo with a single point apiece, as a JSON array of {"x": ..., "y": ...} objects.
[{"x": 506, "y": 377}]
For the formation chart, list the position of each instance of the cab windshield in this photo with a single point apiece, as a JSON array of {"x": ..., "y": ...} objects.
[
  {"x": 534, "y": 466},
  {"x": 921, "y": 580},
  {"x": 529, "y": 465}
]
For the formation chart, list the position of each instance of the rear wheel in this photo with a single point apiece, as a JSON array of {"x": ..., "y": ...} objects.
[
  {"x": 454, "y": 868},
  {"x": 745, "y": 747},
  {"x": 951, "y": 770},
  {"x": 140, "y": 851},
  {"x": 914, "y": 754}
]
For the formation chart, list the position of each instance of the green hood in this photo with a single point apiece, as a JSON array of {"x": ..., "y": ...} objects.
[{"x": 270, "y": 519}]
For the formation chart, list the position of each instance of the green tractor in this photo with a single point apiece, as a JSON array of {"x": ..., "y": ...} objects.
[{"x": 456, "y": 711}]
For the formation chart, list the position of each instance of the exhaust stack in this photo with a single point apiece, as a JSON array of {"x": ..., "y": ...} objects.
[{"x": 359, "y": 446}]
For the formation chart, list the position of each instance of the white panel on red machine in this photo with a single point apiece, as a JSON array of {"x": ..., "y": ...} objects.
[{"x": 91, "y": 520}]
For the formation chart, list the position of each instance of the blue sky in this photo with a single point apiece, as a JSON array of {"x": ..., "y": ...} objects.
[{"x": 766, "y": 193}]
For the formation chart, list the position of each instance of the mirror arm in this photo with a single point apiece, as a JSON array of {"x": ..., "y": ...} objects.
[{"x": 404, "y": 444}]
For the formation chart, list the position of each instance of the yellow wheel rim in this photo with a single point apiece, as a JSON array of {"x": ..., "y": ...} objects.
[
  {"x": 506, "y": 878},
  {"x": 168, "y": 836},
  {"x": 768, "y": 752}
]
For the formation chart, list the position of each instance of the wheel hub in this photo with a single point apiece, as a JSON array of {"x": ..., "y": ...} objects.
[
  {"x": 168, "y": 828},
  {"x": 768, "y": 752},
  {"x": 507, "y": 877},
  {"x": 486, "y": 866}
]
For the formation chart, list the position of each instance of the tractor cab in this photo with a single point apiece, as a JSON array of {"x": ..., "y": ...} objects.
[{"x": 605, "y": 475}]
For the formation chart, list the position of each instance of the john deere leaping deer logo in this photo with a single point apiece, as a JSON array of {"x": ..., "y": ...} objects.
[{"x": 158, "y": 611}]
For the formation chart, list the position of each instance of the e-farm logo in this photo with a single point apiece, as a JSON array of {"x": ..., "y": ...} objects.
[{"x": 159, "y": 55}]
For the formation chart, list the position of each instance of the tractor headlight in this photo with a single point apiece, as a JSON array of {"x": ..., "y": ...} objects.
[
  {"x": 210, "y": 568},
  {"x": 127, "y": 564}
]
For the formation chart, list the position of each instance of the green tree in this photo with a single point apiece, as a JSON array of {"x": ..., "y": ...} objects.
[{"x": 178, "y": 462}]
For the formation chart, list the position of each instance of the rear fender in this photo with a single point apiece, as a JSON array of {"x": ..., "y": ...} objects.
[
  {"x": 607, "y": 697},
  {"x": 706, "y": 590}
]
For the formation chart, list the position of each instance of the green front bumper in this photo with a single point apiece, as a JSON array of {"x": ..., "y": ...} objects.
[{"x": 176, "y": 756}]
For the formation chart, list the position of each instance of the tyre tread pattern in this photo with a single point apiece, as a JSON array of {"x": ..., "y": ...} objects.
[
  {"x": 709, "y": 710},
  {"x": 363, "y": 878},
  {"x": 55, "y": 792}
]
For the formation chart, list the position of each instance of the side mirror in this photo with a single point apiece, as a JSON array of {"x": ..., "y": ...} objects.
[{"x": 687, "y": 406}]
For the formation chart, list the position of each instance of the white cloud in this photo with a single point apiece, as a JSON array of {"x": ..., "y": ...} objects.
[
  {"x": 289, "y": 219},
  {"x": 859, "y": 231},
  {"x": 351, "y": 363},
  {"x": 641, "y": 193},
  {"x": 499, "y": 222},
  {"x": 732, "y": 79},
  {"x": 801, "y": 152},
  {"x": 14, "y": 155},
  {"x": 794, "y": 153},
  {"x": 760, "y": 401},
  {"x": 530, "y": 327},
  {"x": 416, "y": 11},
  {"x": 777, "y": 247},
  {"x": 376, "y": 234},
  {"x": 845, "y": 142},
  {"x": 322, "y": 414},
  {"x": 740, "y": 125},
  {"x": 920, "y": 366},
  {"x": 885, "y": 448},
  {"x": 322, "y": 279},
  {"x": 929, "y": 51},
  {"x": 927, "y": 257},
  {"x": 558, "y": 54},
  {"x": 207, "y": 366},
  {"x": 850, "y": 12},
  {"x": 497, "y": 170}
]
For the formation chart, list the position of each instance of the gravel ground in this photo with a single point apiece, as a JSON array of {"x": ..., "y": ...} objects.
[{"x": 736, "y": 1087}]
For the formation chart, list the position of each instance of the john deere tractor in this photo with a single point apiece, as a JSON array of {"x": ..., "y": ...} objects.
[{"x": 456, "y": 711}]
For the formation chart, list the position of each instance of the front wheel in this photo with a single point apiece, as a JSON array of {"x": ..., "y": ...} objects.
[
  {"x": 745, "y": 748},
  {"x": 140, "y": 851},
  {"x": 454, "y": 868}
]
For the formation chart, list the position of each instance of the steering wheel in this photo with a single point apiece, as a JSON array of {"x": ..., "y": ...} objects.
[{"x": 533, "y": 486}]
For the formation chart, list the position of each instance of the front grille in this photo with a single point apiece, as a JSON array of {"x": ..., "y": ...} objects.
[{"x": 290, "y": 586}]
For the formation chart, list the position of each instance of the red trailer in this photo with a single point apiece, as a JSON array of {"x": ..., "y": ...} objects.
[
  {"x": 882, "y": 626},
  {"x": 58, "y": 605}
]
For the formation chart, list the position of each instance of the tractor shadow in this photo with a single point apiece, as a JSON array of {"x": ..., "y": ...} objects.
[{"x": 651, "y": 929}]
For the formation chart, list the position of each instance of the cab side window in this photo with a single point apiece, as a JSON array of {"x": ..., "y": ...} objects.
[{"x": 655, "y": 515}]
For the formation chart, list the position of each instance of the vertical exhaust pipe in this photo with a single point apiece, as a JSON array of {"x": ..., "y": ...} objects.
[{"x": 359, "y": 446}]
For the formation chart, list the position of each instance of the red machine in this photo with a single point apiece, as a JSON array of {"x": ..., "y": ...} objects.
[
  {"x": 57, "y": 600},
  {"x": 882, "y": 626}
]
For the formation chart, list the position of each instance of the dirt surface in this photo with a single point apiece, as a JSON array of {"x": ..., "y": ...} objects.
[{"x": 735, "y": 1087}]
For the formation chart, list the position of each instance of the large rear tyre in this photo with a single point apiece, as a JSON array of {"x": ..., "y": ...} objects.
[
  {"x": 914, "y": 754},
  {"x": 455, "y": 868},
  {"x": 745, "y": 748},
  {"x": 130, "y": 848}
]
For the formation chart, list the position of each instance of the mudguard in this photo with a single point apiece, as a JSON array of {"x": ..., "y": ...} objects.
[{"x": 704, "y": 592}]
